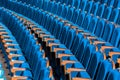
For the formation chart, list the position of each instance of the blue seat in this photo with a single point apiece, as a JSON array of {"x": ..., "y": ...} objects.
[
  {"x": 80, "y": 19},
  {"x": 76, "y": 43},
  {"x": 107, "y": 13},
  {"x": 94, "y": 8},
  {"x": 65, "y": 11},
  {"x": 81, "y": 49},
  {"x": 118, "y": 20},
  {"x": 75, "y": 16},
  {"x": 86, "y": 22},
  {"x": 56, "y": 6},
  {"x": 100, "y": 28},
  {"x": 95, "y": 60},
  {"x": 113, "y": 75},
  {"x": 83, "y": 5},
  {"x": 116, "y": 4},
  {"x": 103, "y": 1},
  {"x": 110, "y": 3},
  {"x": 70, "y": 13},
  {"x": 77, "y": 3},
  {"x": 114, "y": 15},
  {"x": 100, "y": 10},
  {"x": 61, "y": 7},
  {"x": 92, "y": 26},
  {"x": 103, "y": 70},
  {"x": 88, "y": 6}
]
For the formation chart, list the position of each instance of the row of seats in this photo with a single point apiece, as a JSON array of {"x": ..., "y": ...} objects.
[
  {"x": 86, "y": 8},
  {"x": 111, "y": 3},
  {"x": 74, "y": 59},
  {"x": 94, "y": 35},
  {"x": 86, "y": 21},
  {"x": 24, "y": 56},
  {"x": 75, "y": 3},
  {"x": 61, "y": 47},
  {"x": 13, "y": 54}
]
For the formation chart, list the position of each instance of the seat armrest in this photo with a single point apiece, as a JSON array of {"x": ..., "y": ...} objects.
[
  {"x": 3, "y": 33},
  {"x": 19, "y": 78},
  {"x": 10, "y": 56},
  {"x": 69, "y": 70},
  {"x": 36, "y": 29},
  {"x": 2, "y": 29},
  {"x": 11, "y": 49},
  {"x": 105, "y": 47},
  {"x": 58, "y": 49},
  {"x": 4, "y": 41},
  {"x": 4, "y": 37},
  {"x": 78, "y": 78},
  {"x": 86, "y": 33},
  {"x": 48, "y": 39},
  {"x": 74, "y": 27},
  {"x": 113, "y": 53},
  {"x": 53, "y": 44},
  {"x": 92, "y": 37},
  {"x": 7, "y": 45},
  {"x": 63, "y": 54},
  {"x": 98, "y": 42},
  {"x": 13, "y": 70},
  {"x": 12, "y": 62},
  {"x": 67, "y": 61},
  {"x": 118, "y": 60},
  {"x": 39, "y": 32},
  {"x": 79, "y": 31},
  {"x": 43, "y": 35},
  {"x": 64, "y": 21}
]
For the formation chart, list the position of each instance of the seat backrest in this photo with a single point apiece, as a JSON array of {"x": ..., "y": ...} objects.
[
  {"x": 116, "y": 4},
  {"x": 110, "y": 2},
  {"x": 86, "y": 21},
  {"x": 100, "y": 28},
  {"x": 100, "y": 10},
  {"x": 56, "y": 6},
  {"x": 81, "y": 49},
  {"x": 83, "y": 5},
  {"x": 107, "y": 13},
  {"x": 118, "y": 20},
  {"x": 77, "y": 3},
  {"x": 64, "y": 33},
  {"x": 75, "y": 16},
  {"x": 76, "y": 43},
  {"x": 103, "y": 69},
  {"x": 108, "y": 31},
  {"x": 70, "y": 14},
  {"x": 115, "y": 37},
  {"x": 70, "y": 37},
  {"x": 65, "y": 11},
  {"x": 103, "y": 1},
  {"x": 87, "y": 55},
  {"x": 94, "y": 8},
  {"x": 114, "y": 15},
  {"x": 95, "y": 60},
  {"x": 89, "y": 6},
  {"x": 93, "y": 24},
  {"x": 80, "y": 18},
  {"x": 113, "y": 75}
]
